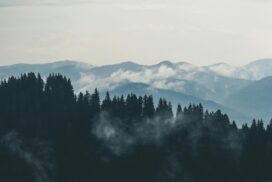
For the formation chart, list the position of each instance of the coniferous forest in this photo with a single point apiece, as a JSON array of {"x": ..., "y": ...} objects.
[{"x": 50, "y": 134}]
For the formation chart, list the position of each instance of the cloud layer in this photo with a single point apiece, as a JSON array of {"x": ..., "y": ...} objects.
[
  {"x": 145, "y": 31},
  {"x": 40, "y": 2}
]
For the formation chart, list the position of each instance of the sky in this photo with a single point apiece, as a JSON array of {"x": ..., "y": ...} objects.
[{"x": 101, "y": 32}]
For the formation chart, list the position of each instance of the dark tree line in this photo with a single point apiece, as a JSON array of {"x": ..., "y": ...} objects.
[{"x": 48, "y": 133}]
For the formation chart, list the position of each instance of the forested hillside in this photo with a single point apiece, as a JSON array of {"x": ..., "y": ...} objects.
[{"x": 50, "y": 134}]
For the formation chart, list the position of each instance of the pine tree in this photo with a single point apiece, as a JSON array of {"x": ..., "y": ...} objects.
[
  {"x": 148, "y": 106},
  {"x": 179, "y": 111},
  {"x": 107, "y": 103},
  {"x": 95, "y": 103}
]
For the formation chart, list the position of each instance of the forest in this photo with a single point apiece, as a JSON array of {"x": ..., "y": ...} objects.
[{"x": 48, "y": 133}]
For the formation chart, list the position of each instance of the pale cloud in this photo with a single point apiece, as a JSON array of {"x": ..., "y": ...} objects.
[
  {"x": 145, "y": 76},
  {"x": 40, "y": 2},
  {"x": 145, "y": 31},
  {"x": 156, "y": 77}
]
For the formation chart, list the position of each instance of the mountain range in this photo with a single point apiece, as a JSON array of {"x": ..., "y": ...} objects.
[{"x": 242, "y": 92}]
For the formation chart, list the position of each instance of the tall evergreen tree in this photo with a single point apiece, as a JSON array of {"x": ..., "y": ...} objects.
[
  {"x": 148, "y": 106},
  {"x": 107, "y": 103},
  {"x": 179, "y": 111},
  {"x": 95, "y": 102}
]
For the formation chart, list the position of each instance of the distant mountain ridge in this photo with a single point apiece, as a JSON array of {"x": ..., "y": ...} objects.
[
  {"x": 220, "y": 83},
  {"x": 255, "y": 70},
  {"x": 178, "y": 98},
  {"x": 256, "y": 99},
  {"x": 66, "y": 67}
]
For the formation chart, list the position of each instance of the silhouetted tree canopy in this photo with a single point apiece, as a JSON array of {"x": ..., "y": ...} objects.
[{"x": 49, "y": 133}]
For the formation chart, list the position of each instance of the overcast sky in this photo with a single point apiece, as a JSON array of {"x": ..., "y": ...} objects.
[{"x": 144, "y": 31}]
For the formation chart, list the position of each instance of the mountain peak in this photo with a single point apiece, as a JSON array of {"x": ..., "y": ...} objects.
[
  {"x": 219, "y": 64},
  {"x": 260, "y": 62},
  {"x": 128, "y": 63},
  {"x": 166, "y": 63},
  {"x": 183, "y": 63}
]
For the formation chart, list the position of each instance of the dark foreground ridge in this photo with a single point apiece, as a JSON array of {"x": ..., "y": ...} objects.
[{"x": 49, "y": 134}]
